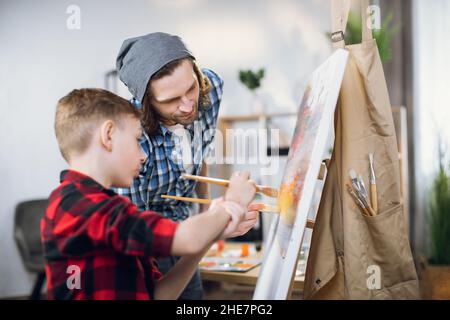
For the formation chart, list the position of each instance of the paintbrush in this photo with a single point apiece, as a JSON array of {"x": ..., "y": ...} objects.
[
  {"x": 373, "y": 185},
  {"x": 354, "y": 180},
  {"x": 264, "y": 207},
  {"x": 357, "y": 200},
  {"x": 363, "y": 191},
  {"x": 358, "y": 185},
  {"x": 266, "y": 190},
  {"x": 360, "y": 190}
]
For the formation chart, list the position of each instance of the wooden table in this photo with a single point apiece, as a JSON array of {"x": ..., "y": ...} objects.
[{"x": 248, "y": 278}]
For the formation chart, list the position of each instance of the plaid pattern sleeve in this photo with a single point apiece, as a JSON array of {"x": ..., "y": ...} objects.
[
  {"x": 105, "y": 238},
  {"x": 160, "y": 174}
]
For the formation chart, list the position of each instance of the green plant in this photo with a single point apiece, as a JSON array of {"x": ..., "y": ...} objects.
[
  {"x": 439, "y": 216},
  {"x": 383, "y": 36},
  {"x": 250, "y": 79}
]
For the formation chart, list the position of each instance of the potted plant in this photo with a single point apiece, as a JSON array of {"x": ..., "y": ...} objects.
[
  {"x": 252, "y": 80},
  {"x": 436, "y": 273},
  {"x": 383, "y": 36}
]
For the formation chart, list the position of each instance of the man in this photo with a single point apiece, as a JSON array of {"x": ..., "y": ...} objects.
[{"x": 180, "y": 105}]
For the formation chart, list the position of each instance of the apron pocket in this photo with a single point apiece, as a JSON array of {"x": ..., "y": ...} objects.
[{"x": 386, "y": 245}]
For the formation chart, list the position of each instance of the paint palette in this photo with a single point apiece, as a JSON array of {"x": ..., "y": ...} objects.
[
  {"x": 228, "y": 264},
  {"x": 245, "y": 250}
]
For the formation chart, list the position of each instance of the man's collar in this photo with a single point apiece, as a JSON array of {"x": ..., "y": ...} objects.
[{"x": 162, "y": 130}]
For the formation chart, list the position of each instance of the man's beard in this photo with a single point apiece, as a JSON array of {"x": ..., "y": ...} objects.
[{"x": 186, "y": 120}]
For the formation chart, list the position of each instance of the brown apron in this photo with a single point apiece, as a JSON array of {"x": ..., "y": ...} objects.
[{"x": 350, "y": 250}]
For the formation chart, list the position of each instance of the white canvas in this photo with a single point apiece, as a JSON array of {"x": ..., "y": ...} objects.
[{"x": 314, "y": 122}]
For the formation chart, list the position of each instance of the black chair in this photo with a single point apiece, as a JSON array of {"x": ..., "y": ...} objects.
[{"x": 27, "y": 235}]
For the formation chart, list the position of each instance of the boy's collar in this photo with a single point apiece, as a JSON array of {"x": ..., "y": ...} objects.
[{"x": 78, "y": 177}]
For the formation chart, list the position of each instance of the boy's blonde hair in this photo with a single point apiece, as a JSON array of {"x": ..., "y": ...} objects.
[{"x": 78, "y": 113}]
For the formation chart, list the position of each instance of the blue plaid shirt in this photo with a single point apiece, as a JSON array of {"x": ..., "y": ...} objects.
[{"x": 160, "y": 174}]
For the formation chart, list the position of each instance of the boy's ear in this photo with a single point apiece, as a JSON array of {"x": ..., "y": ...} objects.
[{"x": 106, "y": 134}]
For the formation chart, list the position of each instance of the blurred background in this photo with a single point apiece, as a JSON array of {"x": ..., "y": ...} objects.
[{"x": 50, "y": 47}]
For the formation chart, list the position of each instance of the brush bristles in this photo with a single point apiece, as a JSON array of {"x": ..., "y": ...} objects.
[
  {"x": 270, "y": 192},
  {"x": 352, "y": 174}
]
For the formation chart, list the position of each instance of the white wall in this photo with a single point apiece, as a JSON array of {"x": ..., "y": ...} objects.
[
  {"x": 41, "y": 60},
  {"x": 431, "y": 100}
]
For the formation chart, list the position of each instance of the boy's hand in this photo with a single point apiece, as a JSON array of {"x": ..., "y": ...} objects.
[
  {"x": 236, "y": 212},
  {"x": 241, "y": 189},
  {"x": 249, "y": 220}
]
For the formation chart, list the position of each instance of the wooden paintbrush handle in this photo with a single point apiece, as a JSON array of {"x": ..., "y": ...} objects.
[
  {"x": 219, "y": 182},
  {"x": 196, "y": 200},
  {"x": 266, "y": 190},
  {"x": 265, "y": 207},
  {"x": 270, "y": 208},
  {"x": 373, "y": 197},
  {"x": 371, "y": 212}
]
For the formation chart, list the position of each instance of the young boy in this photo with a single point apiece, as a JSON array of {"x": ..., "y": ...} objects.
[{"x": 97, "y": 244}]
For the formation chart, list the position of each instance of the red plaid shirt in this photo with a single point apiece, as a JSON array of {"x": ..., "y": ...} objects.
[{"x": 92, "y": 229}]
